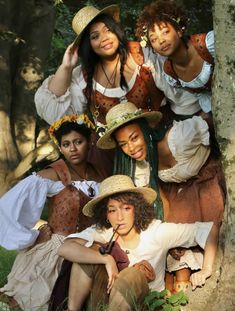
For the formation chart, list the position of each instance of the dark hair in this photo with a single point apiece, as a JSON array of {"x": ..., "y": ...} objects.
[
  {"x": 166, "y": 11},
  {"x": 123, "y": 164},
  {"x": 144, "y": 213},
  {"x": 90, "y": 59},
  {"x": 68, "y": 127}
]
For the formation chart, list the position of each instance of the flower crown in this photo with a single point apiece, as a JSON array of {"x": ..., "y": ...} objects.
[{"x": 81, "y": 119}]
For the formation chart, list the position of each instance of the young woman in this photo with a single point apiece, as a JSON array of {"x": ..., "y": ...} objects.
[
  {"x": 67, "y": 184},
  {"x": 112, "y": 70},
  {"x": 124, "y": 212},
  {"x": 187, "y": 62},
  {"x": 191, "y": 178}
]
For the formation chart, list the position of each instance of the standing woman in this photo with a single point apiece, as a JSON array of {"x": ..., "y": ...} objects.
[
  {"x": 68, "y": 184},
  {"x": 187, "y": 61},
  {"x": 112, "y": 70}
]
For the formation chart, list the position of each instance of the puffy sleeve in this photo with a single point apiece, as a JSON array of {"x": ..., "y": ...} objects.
[
  {"x": 50, "y": 107},
  {"x": 183, "y": 235},
  {"x": 92, "y": 234},
  {"x": 187, "y": 136},
  {"x": 21, "y": 208},
  {"x": 210, "y": 43}
]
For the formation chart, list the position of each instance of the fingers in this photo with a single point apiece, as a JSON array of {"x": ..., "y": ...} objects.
[
  {"x": 198, "y": 280},
  {"x": 111, "y": 282}
]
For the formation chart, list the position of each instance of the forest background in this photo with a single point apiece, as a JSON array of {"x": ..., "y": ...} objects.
[{"x": 33, "y": 38}]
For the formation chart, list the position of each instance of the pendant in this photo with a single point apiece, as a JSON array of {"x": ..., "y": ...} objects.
[{"x": 91, "y": 192}]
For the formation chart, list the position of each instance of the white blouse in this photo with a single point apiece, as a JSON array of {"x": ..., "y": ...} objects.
[
  {"x": 188, "y": 141},
  {"x": 51, "y": 108},
  {"x": 154, "y": 243},
  {"x": 181, "y": 100},
  {"x": 204, "y": 97},
  {"x": 21, "y": 208}
]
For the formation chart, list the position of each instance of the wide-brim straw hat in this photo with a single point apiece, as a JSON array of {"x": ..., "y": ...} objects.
[
  {"x": 121, "y": 114},
  {"x": 118, "y": 184},
  {"x": 86, "y": 15}
]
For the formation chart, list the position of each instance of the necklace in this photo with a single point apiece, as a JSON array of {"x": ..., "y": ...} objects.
[
  {"x": 90, "y": 190},
  {"x": 113, "y": 76},
  {"x": 110, "y": 81}
]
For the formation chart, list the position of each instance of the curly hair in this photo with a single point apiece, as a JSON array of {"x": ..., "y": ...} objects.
[
  {"x": 90, "y": 59},
  {"x": 144, "y": 213},
  {"x": 160, "y": 11}
]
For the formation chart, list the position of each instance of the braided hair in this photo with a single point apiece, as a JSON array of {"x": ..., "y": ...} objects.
[{"x": 124, "y": 164}]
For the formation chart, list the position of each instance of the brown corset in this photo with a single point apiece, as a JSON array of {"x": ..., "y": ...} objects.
[
  {"x": 65, "y": 208},
  {"x": 144, "y": 93}
]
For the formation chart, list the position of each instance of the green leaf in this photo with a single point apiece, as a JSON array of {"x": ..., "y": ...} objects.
[
  {"x": 152, "y": 296},
  {"x": 176, "y": 297},
  {"x": 167, "y": 307},
  {"x": 157, "y": 303}
]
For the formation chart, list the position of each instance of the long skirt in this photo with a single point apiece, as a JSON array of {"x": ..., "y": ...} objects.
[
  {"x": 201, "y": 198},
  {"x": 33, "y": 275}
]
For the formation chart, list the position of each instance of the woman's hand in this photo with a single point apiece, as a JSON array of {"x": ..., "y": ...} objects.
[
  {"x": 70, "y": 58},
  {"x": 198, "y": 279},
  {"x": 112, "y": 271}
]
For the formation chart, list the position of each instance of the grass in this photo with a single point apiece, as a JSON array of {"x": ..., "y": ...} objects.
[{"x": 6, "y": 261}]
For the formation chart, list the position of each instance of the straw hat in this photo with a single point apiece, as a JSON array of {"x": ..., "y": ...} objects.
[
  {"x": 86, "y": 15},
  {"x": 117, "y": 184},
  {"x": 121, "y": 114}
]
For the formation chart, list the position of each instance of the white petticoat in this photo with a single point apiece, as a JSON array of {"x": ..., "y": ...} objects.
[{"x": 33, "y": 275}]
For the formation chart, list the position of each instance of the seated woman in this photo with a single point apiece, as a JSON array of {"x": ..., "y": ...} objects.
[
  {"x": 191, "y": 178},
  {"x": 67, "y": 184},
  {"x": 124, "y": 211}
]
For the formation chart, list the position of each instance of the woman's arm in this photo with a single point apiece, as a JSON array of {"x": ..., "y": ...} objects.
[
  {"x": 75, "y": 251},
  {"x": 199, "y": 278},
  {"x": 62, "y": 78}
]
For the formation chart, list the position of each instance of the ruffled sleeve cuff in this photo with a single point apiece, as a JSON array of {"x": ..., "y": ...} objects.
[{"x": 49, "y": 106}]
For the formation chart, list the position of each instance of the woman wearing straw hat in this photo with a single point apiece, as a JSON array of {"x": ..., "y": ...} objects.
[
  {"x": 123, "y": 213},
  {"x": 112, "y": 70},
  {"x": 190, "y": 177},
  {"x": 67, "y": 184}
]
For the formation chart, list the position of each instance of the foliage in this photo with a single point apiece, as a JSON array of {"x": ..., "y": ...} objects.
[
  {"x": 165, "y": 301},
  {"x": 200, "y": 17},
  {"x": 7, "y": 259}
]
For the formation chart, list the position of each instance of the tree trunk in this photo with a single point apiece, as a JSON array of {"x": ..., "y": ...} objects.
[
  {"x": 218, "y": 293},
  {"x": 224, "y": 116},
  {"x": 26, "y": 30}
]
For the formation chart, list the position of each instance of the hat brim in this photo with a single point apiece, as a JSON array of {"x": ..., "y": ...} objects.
[
  {"x": 107, "y": 142},
  {"x": 112, "y": 10},
  {"x": 148, "y": 193}
]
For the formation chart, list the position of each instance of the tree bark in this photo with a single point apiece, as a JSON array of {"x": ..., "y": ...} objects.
[
  {"x": 224, "y": 116},
  {"x": 26, "y": 29}
]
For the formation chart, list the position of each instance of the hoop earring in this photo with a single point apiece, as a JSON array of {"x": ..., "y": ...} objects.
[{"x": 108, "y": 222}]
